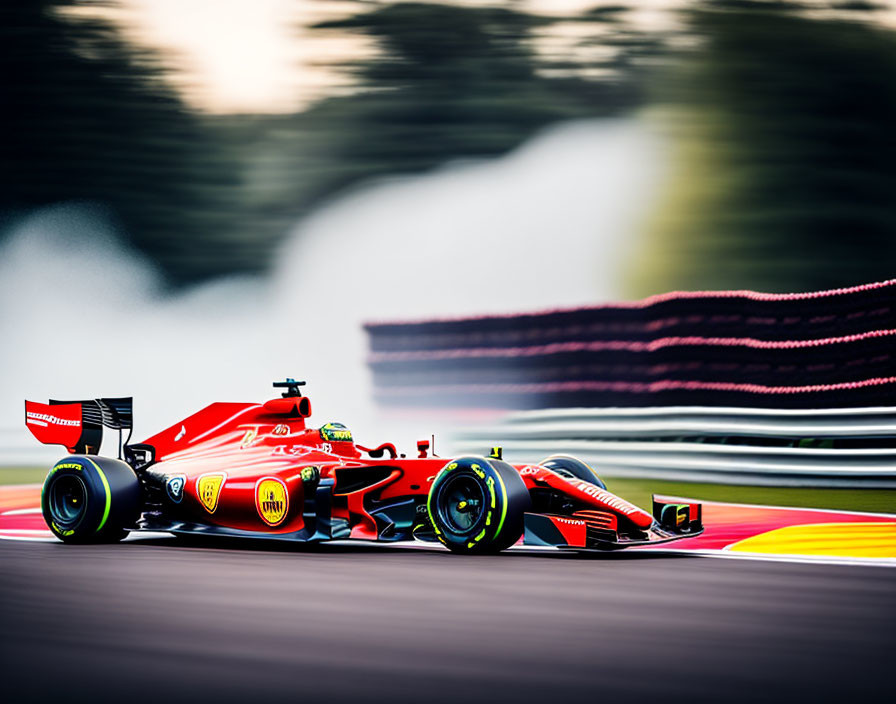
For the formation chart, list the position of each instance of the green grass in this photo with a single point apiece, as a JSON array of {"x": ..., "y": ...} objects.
[
  {"x": 22, "y": 475},
  {"x": 638, "y": 491}
]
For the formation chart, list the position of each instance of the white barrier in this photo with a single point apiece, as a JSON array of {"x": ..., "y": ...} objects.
[{"x": 727, "y": 445}]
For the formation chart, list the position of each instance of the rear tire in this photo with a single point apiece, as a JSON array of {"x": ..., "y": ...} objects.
[
  {"x": 476, "y": 505},
  {"x": 91, "y": 499},
  {"x": 575, "y": 467}
]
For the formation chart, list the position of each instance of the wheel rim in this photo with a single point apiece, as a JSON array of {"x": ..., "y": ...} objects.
[
  {"x": 68, "y": 500},
  {"x": 461, "y": 503}
]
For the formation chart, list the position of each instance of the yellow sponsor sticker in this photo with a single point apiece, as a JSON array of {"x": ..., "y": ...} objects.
[
  {"x": 208, "y": 489},
  {"x": 271, "y": 500}
]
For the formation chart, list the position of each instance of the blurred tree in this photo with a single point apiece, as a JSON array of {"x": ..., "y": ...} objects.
[
  {"x": 446, "y": 82},
  {"x": 785, "y": 160},
  {"x": 89, "y": 117}
]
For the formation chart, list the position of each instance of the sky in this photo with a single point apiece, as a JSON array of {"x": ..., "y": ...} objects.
[{"x": 240, "y": 55}]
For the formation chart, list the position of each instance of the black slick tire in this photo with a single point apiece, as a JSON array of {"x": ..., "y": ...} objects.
[
  {"x": 476, "y": 505},
  {"x": 90, "y": 499}
]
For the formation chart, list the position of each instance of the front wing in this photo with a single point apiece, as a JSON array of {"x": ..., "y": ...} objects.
[{"x": 599, "y": 530}]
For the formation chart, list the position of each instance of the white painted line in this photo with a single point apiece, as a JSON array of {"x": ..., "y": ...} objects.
[
  {"x": 28, "y": 535},
  {"x": 21, "y": 512},
  {"x": 767, "y": 557}
]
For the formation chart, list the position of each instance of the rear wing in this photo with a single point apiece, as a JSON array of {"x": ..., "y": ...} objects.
[{"x": 78, "y": 425}]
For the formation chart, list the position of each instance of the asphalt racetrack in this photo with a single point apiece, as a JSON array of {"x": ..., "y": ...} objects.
[{"x": 155, "y": 620}]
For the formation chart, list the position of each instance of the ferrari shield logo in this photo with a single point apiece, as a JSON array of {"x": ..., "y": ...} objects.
[
  {"x": 271, "y": 500},
  {"x": 208, "y": 488}
]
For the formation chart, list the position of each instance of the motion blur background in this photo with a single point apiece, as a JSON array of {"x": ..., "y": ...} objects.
[{"x": 199, "y": 196}]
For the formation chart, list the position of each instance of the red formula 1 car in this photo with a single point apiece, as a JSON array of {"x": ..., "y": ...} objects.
[{"x": 257, "y": 470}]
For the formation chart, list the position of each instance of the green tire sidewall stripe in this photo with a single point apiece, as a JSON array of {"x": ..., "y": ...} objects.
[
  {"x": 108, "y": 495},
  {"x": 503, "y": 502}
]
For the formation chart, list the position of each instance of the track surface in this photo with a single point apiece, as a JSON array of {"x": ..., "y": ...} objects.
[{"x": 152, "y": 620}]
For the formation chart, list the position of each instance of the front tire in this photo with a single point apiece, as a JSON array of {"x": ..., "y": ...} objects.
[
  {"x": 90, "y": 499},
  {"x": 476, "y": 505},
  {"x": 564, "y": 464}
]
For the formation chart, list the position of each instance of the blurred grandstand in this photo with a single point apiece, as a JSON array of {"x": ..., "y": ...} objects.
[
  {"x": 683, "y": 385},
  {"x": 815, "y": 350}
]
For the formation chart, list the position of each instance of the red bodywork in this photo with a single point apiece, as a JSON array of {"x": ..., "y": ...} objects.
[
  {"x": 56, "y": 424},
  {"x": 257, "y": 469}
]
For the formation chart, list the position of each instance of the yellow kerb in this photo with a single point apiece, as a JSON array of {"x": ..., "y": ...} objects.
[{"x": 832, "y": 539}]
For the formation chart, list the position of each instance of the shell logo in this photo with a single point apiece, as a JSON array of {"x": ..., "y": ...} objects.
[{"x": 271, "y": 500}]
